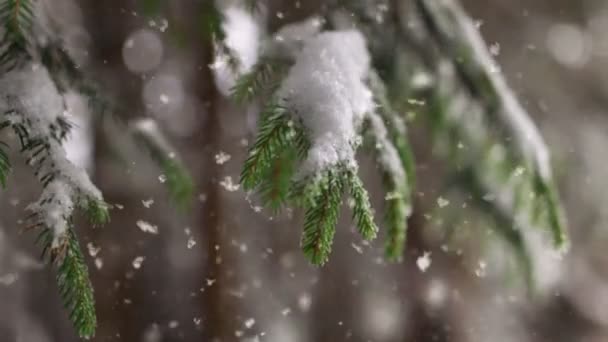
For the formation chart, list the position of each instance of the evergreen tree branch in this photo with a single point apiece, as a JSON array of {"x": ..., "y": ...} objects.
[
  {"x": 5, "y": 165},
  {"x": 322, "y": 209},
  {"x": 33, "y": 107},
  {"x": 458, "y": 38},
  {"x": 213, "y": 29},
  {"x": 16, "y": 17},
  {"x": 263, "y": 79},
  {"x": 362, "y": 210},
  {"x": 395, "y": 158},
  {"x": 506, "y": 225},
  {"x": 179, "y": 182},
  {"x": 276, "y": 131},
  {"x": 67, "y": 75},
  {"x": 398, "y": 192},
  {"x": 276, "y": 183},
  {"x": 73, "y": 281}
]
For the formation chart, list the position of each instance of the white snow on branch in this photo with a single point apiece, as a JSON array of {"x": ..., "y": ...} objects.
[
  {"x": 290, "y": 39},
  {"x": 388, "y": 155},
  {"x": 243, "y": 36},
  {"x": 461, "y": 32},
  {"x": 325, "y": 89},
  {"x": 31, "y": 103}
]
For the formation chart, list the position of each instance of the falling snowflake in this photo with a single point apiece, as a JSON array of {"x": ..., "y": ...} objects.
[
  {"x": 191, "y": 243},
  {"x": 164, "y": 25},
  {"x": 93, "y": 250},
  {"x": 304, "y": 302},
  {"x": 147, "y": 203},
  {"x": 424, "y": 262},
  {"x": 229, "y": 185},
  {"x": 164, "y": 99},
  {"x": 137, "y": 262},
  {"x": 249, "y": 323},
  {"x": 222, "y": 158},
  {"x": 442, "y": 202},
  {"x": 8, "y": 279},
  {"x": 147, "y": 227},
  {"x": 481, "y": 269},
  {"x": 519, "y": 171}
]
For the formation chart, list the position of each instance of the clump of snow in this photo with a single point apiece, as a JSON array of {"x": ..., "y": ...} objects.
[
  {"x": 326, "y": 90},
  {"x": 242, "y": 39},
  {"x": 288, "y": 41}
]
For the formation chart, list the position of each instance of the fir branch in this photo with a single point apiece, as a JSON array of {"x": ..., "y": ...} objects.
[
  {"x": 324, "y": 197},
  {"x": 276, "y": 130},
  {"x": 395, "y": 158},
  {"x": 271, "y": 164},
  {"x": 263, "y": 79},
  {"x": 396, "y": 184},
  {"x": 398, "y": 210},
  {"x": 458, "y": 38},
  {"x": 276, "y": 183},
  {"x": 97, "y": 212},
  {"x": 5, "y": 165},
  {"x": 73, "y": 281},
  {"x": 67, "y": 75},
  {"x": 395, "y": 126},
  {"x": 34, "y": 109},
  {"x": 362, "y": 210},
  {"x": 213, "y": 29},
  {"x": 505, "y": 224},
  {"x": 554, "y": 210},
  {"x": 16, "y": 17},
  {"x": 179, "y": 182}
]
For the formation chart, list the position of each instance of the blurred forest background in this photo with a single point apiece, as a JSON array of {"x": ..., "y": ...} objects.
[{"x": 226, "y": 270}]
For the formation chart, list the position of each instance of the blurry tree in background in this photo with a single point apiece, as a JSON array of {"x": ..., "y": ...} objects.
[{"x": 215, "y": 130}]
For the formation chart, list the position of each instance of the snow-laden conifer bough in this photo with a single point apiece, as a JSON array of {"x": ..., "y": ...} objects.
[
  {"x": 36, "y": 72},
  {"x": 328, "y": 86}
]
